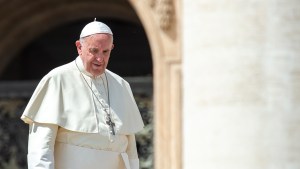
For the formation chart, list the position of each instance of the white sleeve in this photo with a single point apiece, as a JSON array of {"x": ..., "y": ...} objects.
[
  {"x": 41, "y": 146},
  {"x": 132, "y": 152}
]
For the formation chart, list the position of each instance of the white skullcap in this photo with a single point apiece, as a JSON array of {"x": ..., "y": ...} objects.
[{"x": 94, "y": 28}]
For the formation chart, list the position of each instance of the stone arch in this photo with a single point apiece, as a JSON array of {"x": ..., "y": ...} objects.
[
  {"x": 27, "y": 23},
  {"x": 161, "y": 22},
  {"x": 23, "y": 25}
]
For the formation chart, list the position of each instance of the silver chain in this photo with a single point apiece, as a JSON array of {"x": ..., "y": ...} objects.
[{"x": 108, "y": 119}]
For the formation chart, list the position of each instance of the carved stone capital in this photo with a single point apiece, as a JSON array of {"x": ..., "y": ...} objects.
[{"x": 165, "y": 12}]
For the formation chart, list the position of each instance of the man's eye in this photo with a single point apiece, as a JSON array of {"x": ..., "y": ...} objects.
[
  {"x": 106, "y": 51},
  {"x": 93, "y": 50}
]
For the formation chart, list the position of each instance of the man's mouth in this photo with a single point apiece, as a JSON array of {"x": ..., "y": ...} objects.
[{"x": 97, "y": 64}]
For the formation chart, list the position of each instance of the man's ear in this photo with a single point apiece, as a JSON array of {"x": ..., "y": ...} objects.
[
  {"x": 112, "y": 46},
  {"x": 78, "y": 46}
]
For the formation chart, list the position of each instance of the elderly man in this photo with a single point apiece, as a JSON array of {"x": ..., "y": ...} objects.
[{"x": 81, "y": 115}]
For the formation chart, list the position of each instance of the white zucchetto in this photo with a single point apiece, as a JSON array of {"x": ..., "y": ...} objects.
[{"x": 94, "y": 28}]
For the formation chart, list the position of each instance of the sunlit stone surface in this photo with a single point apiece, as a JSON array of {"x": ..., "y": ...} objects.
[{"x": 241, "y": 87}]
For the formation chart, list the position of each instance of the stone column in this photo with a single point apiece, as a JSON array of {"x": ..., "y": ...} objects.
[{"x": 241, "y": 76}]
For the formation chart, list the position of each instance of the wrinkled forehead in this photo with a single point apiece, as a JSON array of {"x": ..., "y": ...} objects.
[{"x": 98, "y": 40}]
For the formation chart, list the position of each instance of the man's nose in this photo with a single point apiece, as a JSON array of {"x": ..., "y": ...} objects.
[{"x": 99, "y": 57}]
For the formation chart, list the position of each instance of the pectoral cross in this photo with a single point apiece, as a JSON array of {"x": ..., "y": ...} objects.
[{"x": 110, "y": 123}]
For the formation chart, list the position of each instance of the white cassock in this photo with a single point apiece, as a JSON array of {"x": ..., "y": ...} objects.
[{"x": 68, "y": 128}]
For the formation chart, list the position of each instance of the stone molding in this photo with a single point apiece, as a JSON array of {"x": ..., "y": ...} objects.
[
  {"x": 167, "y": 63},
  {"x": 164, "y": 9}
]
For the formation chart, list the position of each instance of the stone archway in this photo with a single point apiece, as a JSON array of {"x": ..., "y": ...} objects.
[
  {"x": 28, "y": 22},
  {"x": 161, "y": 22}
]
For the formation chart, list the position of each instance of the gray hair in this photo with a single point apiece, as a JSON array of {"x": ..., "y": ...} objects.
[{"x": 82, "y": 40}]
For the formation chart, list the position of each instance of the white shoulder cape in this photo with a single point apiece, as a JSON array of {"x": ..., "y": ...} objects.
[{"x": 63, "y": 98}]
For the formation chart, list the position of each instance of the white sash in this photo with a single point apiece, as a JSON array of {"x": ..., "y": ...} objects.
[{"x": 74, "y": 157}]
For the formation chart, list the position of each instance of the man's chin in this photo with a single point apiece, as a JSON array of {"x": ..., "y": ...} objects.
[{"x": 97, "y": 73}]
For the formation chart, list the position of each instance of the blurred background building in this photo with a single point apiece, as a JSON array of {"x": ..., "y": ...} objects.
[{"x": 217, "y": 82}]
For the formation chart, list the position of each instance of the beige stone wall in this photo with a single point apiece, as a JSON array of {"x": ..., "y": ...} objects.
[{"x": 241, "y": 69}]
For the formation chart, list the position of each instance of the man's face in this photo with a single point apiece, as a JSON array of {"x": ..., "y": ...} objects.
[{"x": 95, "y": 51}]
